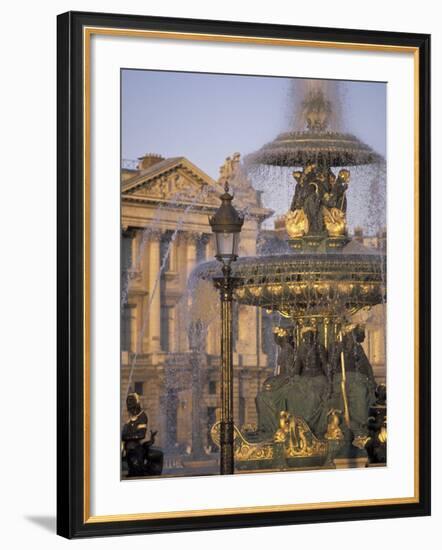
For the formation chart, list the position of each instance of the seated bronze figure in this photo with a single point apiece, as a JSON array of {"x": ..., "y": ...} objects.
[
  {"x": 142, "y": 459},
  {"x": 301, "y": 385},
  {"x": 377, "y": 425},
  {"x": 358, "y": 392}
]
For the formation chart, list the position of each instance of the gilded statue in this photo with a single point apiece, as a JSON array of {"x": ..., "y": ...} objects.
[
  {"x": 229, "y": 168},
  {"x": 334, "y": 432},
  {"x": 294, "y": 433},
  {"x": 335, "y": 204},
  {"x": 319, "y": 203},
  {"x": 284, "y": 427},
  {"x": 316, "y": 110},
  {"x": 296, "y": 219},
  {"x": 297, "y": 435},
  {"x": 303, "y": 444}
]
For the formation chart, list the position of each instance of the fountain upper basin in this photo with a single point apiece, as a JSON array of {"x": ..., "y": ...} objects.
[{"x": 329, "y": 148}]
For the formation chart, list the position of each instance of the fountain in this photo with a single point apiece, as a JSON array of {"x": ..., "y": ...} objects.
[
  {"x": 313, "y": 141},
  {"x": 314, "y": 412}
]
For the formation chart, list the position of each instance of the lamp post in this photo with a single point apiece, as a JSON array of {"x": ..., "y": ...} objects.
[{"x": 226, "y": 225}]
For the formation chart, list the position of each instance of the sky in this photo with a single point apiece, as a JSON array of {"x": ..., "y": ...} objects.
[{"x": 207, "y": 117}]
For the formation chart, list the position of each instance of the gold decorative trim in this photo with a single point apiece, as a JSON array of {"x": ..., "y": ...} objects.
[
  {"x": 87, "y": 33},
  {"x": 251, "y": 510}
]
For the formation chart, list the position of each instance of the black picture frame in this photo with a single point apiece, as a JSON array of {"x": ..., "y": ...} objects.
[{"x": 71, "y": 518}]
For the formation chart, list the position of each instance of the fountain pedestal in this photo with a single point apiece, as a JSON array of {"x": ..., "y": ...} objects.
[{"x": 319, "y": 244}]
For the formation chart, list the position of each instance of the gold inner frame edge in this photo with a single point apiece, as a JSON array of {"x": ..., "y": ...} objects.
[{"x": 87, "y": 34}]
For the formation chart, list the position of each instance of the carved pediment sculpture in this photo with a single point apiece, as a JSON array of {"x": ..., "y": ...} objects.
[
  {"x": 177, "y": 184},
  {"x": 234, "y": 172}
]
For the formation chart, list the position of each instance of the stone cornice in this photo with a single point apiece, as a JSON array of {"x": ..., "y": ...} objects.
[
  {"x": 160, "y": 173},
  {"x": 258, "y": 213},
  {"x": 193, "y": 236}
]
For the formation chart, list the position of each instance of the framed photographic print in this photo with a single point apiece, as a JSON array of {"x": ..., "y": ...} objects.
[{"x": 243, "y": 272}]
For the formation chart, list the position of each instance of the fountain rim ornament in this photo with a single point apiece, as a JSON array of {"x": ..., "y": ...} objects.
[
  {"x": 298, "y": 148},
  {"x": 295, "y": 284}
]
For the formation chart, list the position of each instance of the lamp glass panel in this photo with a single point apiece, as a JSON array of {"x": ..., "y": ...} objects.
[
  {"x": 225, "y": 244},
  {"x": 235, "y": 243}
]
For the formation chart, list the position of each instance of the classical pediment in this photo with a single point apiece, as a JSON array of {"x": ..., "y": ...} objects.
[{"x": 176, "y": 181}]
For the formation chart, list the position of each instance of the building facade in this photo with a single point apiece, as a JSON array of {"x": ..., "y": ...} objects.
[{"x": 165, "y": 234}]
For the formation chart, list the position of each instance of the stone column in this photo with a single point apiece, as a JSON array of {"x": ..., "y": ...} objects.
[
  {"x": 262, "y": 356},
  {"x": 210, "y": 247},
  {"x": 136, "y": 249},
  {"x": 134, "y": 327},
  {"x": 128, "y": 326},
  {"x": 214, "y": 328},
  {"x": 153, "y": 322},
  {"x": 127, "y": 258},
  {"x": 191, "y": 239},
  {"x": 161, "y": 415},
  {"x": 211, "y": 332},
  {"x": 172, "y": 329},
  {"x": 130, "y": 234},
  {"x": 197, "y": 444},
  {"x": 247, "y": 344},
  {"x": 205, "y": 240}
]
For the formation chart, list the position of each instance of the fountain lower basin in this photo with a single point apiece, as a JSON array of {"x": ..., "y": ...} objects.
[{"x": 301, "y": 284}]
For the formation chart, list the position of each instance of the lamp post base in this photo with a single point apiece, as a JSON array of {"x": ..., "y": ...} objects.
[{"x": 226, "y": 447}]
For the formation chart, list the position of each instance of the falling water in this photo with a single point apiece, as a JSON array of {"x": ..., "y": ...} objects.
[{"x": 301, "y": 89}]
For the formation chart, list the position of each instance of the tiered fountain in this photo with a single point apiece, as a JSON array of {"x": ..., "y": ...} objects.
[{"x": 314, "y": 412}]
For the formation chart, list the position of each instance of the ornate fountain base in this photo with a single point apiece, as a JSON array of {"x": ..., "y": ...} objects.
[
  {"x": 287, "y": 451},
  {"x": 292, "y": 447}
]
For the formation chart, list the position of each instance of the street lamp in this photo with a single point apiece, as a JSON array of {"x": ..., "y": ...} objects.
[{"x": 226, "y": 225}]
